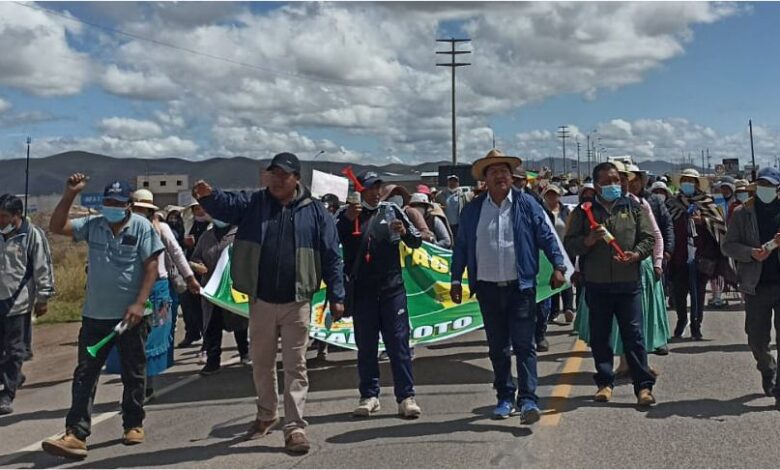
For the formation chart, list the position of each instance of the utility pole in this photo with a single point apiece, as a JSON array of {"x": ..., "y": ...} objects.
[
  {"x": 563, "y": 133},
  {"x": 579, "y": 173},
  {"x": 453, "y": 65},
  {"x": 27, "y": 176},
  {"x": 752, "y": 154},
  {"x": 709, "y": 160},
  {"x": 587, "y": 147},
  {"x": 702, "y": 160}
]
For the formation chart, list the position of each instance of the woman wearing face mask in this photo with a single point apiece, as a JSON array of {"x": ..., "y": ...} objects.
[{"x": 698, "y": 229}]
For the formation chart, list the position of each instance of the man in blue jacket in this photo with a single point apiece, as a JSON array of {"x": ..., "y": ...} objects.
[
  {"x": 499, "y": 238},
  {"x": 285, "y": 245}
]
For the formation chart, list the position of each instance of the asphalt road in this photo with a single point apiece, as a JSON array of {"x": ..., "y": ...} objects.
[{"x": 711, "y": 413}]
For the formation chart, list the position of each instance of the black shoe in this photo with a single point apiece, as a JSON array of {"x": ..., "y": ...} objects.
[
  {"x": 768, "y": 383},
  {"x": 696, "y": 332},
  {"x": 777, "y": 404},
  {"x": 210, "y": 369},
  {"x": 680, "y": 329},
  {"x": 187, "y": 342},
  {"x": 22, "y": 380},
  {"x": 542, "y": 345},
  {"x": 5, "y": 405},
  {"x": 28, "y": 356},
  {"x": 662, "y": 351}
]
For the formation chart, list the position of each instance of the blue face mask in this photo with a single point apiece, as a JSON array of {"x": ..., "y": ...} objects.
[
  {"x": 113, "y": 214},
  {"x": 688, "y": 188},
  {"x": 219, "y": 223},
  {"x": 611, "y": 192}
]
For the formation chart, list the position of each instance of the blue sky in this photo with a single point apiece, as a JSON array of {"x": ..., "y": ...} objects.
[{"x": 654, "y": 80}]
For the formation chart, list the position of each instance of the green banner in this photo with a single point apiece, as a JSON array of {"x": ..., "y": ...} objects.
[{"x": 426, "y": 273}]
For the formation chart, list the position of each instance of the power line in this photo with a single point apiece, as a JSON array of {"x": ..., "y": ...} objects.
[{"x": 195, "y": 52}]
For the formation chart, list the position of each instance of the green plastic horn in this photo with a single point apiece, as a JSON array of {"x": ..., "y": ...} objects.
[{"x": 118, "y": 330}]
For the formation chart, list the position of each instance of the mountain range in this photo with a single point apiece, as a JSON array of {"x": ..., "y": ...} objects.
[{"x": 48, "y": 174}]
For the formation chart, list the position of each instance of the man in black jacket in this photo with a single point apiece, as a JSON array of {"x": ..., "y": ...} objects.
[{"x": 373, "y": 273}]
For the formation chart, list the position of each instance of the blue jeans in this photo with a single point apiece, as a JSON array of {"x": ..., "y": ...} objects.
[
  {"x": 625, "y": 303},
  {"x": 375, "y": 313},
  {"x": 510, "y": 320},
  {"x": 543, "y": 313}
]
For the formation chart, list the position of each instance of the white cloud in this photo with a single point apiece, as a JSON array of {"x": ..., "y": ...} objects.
[
  {"x": 670, "y": 139},
  {"x": 364, "y": 69},
  {"x": 140, "y": 85},
  {"x": 4, "y": 105},
  {"x": 37, "y": 57},
  {"x": 129, "y": 129}
]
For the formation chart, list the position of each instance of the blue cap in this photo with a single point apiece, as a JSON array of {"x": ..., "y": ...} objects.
[
  {"x": 769, "y": 174},
  {"x": 118, "y": 191},
  {"x": 369, "y": 179}
]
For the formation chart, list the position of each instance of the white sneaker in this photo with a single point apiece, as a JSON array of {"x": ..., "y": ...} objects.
[
  {"x": 409, "y": 408},
  {"x": 367, "y": 407},
  {"x": 202, "y": 357}
]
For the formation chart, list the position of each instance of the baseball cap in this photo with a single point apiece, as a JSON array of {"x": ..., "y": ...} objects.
[
  {"x": 369, "y": 178},
  {"x": 423, "y": 189},
  {"x": 453, "y": 177},
  {"x": 286, "y": 161},
  {"x": 772, "y": 175},
  {"x": 118, "y": 190}
]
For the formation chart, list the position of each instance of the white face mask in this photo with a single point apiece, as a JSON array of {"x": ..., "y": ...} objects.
[
  {"x": 742, "y": 196},
  {"x": 368, "y": 206},
  {"x": 767, "y": 194},
  {"x": 661, "y": 196},
  {"x": 8, "y": 229}
]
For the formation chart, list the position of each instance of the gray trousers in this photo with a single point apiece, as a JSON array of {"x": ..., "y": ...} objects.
[{"x": 758, "y": 326}]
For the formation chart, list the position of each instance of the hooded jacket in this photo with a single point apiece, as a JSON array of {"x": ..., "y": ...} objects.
[
  {"x": 317, "y": 253},
  {"x": 25, "y": 269}
]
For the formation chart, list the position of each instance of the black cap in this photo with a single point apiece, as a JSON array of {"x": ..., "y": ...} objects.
[
  {"x": 286, "y": 161},
  {"x": 369, "y": 179}
]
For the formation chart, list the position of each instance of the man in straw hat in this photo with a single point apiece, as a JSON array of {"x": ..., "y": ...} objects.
[
  {"x": 756, "y": 223},
  {"x": 698, "y": 221},
  {"x": 499, "y": 238}
]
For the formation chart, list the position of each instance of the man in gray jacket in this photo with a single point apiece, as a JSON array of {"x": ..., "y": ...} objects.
[
  {"x": 26, "y": 284},
  {"x": 757, "y": 222}
]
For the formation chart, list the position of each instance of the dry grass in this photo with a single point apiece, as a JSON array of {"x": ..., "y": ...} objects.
[{"x": 70, "y": 279}]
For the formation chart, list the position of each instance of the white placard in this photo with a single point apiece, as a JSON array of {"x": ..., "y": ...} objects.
[{"x": 324, "y": 183}]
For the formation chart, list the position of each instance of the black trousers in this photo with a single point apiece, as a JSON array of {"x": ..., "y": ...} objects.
[
  {"x": 12, "y": 352},
  {"x": 682, "y": 288},
  {"x": 192, "y": 312},
  {"x": 132, "y": 354},
  {"x": 759, "y": 310},
  {"x": 212, "y": 338},
  {"x": 606, "y": 303}
]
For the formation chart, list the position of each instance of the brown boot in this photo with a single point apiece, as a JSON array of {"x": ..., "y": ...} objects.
[
  {"x": 645, "y": 397},
  {"x": 297, "y": 442},
  {"x": 68, "y": 446},
  {"x": 133, "y": 436},
  {"x": 604, "y": 394},
  {"x": 259, "y": 429}
]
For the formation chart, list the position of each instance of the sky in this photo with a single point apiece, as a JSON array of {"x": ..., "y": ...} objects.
[{"x": 655, "y": 80}]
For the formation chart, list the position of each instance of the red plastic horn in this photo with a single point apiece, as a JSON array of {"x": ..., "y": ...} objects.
[
  {"x": 351, "y": 175},
  {"x": 359, "y": 188},
  {"x": 588, "y": 208}
]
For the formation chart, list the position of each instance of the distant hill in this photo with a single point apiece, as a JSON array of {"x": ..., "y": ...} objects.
[{"x": 47, "y": 175}]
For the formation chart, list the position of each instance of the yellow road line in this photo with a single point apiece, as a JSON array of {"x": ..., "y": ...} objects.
[{"x": 557, "y": 399}]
